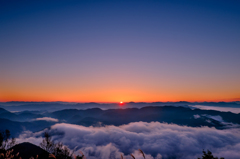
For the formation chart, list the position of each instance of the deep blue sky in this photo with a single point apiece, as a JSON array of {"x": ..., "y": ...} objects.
[{"x": 119, "y": 50}]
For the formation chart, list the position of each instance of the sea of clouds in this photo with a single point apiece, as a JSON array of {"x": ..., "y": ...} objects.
[
  {"x": 221, "y": 109},
  {"x": 157, "y": 140}
]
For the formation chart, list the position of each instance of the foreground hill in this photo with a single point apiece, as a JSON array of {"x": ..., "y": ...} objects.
[{"x": 27, "y": 150}]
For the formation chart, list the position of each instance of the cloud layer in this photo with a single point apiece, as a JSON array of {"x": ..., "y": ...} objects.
[
  {"x": 157, "y": 140},
  {"x": 47, "y": 119},
  {"x": 221, "y": 109}
]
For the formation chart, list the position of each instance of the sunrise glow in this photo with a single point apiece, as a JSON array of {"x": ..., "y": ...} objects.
[
  {"x": 133, "y": 54},
  {"x": 121, "y": 78}
]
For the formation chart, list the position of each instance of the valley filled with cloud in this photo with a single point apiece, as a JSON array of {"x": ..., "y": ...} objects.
[
  {"x": 157, "y": 140},
  {"x": 160, "y": 130}
]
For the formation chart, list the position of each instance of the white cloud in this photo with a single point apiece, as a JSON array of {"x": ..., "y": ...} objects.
[
  {"x": 157, "y": 140},
  {"x": 196, "y": 116},
  {"x": 221, "y": 109},
  {"x": 216, "y": 117},
  {"x": 47, "y": 119}
]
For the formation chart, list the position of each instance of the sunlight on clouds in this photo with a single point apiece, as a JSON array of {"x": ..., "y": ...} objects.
[{"x": 157, "y": 139}]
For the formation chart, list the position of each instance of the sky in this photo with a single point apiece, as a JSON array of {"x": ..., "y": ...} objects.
[{"x": 111, "y": 51}]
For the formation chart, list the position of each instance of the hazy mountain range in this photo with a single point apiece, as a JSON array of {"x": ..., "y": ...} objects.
[
  {"x": 36, "y": 121},
  {"x": 54, "y": 106}
]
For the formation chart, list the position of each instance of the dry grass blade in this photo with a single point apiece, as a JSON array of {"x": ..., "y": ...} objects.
[
  {"x": 121, "y": 156},
  {"x": 81, "y": 152},
  {"x": 142, "y": 153},
  {"x": 51, "y": 156},
  {"x": 132, "y": 156},
  {"x": 84, "y": 157}
]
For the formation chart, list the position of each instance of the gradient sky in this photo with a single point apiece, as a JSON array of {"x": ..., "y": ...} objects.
[{"x": 110, "y": 51}]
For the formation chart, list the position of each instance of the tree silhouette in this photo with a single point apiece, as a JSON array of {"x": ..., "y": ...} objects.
[
  {"x": 47, "y": 143},
  {"x": 208, "y": 155},
  {"x": 5, "y": 140},
  {"x": 59, "y": 150}
]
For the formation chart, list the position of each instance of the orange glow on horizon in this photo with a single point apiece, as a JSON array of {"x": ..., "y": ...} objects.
[
  {"x": 109, "y": 101},
  {"x": 103, "y": 58},
  {"x": 110, "y": 93}
]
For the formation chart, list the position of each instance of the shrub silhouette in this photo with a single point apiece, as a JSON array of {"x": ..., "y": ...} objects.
[
  {"x": 208, "y": 155},
  {"x": 5, "y": 140},
  {"x": 57, "y": 150},
  {"x": 47, "y": 143}
]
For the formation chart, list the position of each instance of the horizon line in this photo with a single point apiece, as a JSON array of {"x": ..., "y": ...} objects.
[{"x": 226, "y": 101}]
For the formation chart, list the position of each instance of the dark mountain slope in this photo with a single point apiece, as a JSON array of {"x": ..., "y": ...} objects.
[
  {"x": 27, "y": 150},
  {"x": 9, "y": 115},
  {"x": 17, "y": 127},
  {"x": 19, "y": 116},
  {"x": 73, "y": 115},
  {"x": 168, "y": 114},
  {"x": 3, "y": 111},
  {"x": 14, "y": 126},
  {"x": 97, "y": 117}
]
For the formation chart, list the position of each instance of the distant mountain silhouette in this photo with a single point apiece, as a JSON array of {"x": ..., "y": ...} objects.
[
  {"x": 16, "y": 127},
  {"x": 55, "y": 106},
  {"x": 27, "y": 150},
  {"x": 3, "y": 111},
  {"x": 19, "y": 116},
  {"x": 16, "y": 123},
  {"x": 168, "y": 114}
]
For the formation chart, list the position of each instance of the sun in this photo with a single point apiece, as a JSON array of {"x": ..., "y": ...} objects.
[{"x": 121, "y": 103}]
